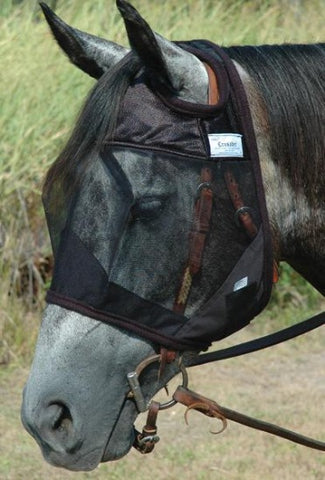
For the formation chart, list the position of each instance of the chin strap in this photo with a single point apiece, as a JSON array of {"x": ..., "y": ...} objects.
[{"x": 145, "y": 441}]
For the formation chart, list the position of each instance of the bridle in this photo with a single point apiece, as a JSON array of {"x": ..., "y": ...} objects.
[{"x": 146, "y": 440}]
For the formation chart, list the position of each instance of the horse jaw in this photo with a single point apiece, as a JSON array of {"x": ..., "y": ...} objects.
[{"x": 75, "y": 402}]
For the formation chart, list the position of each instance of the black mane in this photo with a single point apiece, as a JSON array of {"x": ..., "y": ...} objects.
[{"x": 290, "y": 79}]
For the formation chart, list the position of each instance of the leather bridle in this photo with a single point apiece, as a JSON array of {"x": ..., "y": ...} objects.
[{"x": 146, "y": 440}]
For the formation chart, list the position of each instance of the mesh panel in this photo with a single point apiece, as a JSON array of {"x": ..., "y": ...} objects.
[
  {"x": 147, "y": 237},
  {"x": 134, "y": 212}
]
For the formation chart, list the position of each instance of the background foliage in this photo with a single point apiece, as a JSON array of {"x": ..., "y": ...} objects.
[{"x": 40, "y": 97}]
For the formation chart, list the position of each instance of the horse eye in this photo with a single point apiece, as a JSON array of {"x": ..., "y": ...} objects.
[{"x": 146, "y": 209}]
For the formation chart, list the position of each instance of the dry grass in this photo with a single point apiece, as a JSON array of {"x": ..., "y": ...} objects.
[{"x": 285, "y": 385}]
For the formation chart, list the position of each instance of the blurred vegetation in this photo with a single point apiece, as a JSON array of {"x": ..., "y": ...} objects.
[{"x": 40, "y": 97}]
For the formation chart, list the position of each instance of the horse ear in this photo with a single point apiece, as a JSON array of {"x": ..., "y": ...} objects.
[
  {"x": 92, "y": 54},
  {"x": 167, "y": 63}
]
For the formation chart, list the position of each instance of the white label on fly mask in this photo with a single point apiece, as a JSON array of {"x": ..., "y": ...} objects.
[
  {"x": 226, "y": 145},
  {"x": 242, "y": 283}
]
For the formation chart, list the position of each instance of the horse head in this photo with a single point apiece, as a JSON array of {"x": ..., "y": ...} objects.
[
  {"x": 152, "y": 235},
  {"x": 138, "y": 207}
]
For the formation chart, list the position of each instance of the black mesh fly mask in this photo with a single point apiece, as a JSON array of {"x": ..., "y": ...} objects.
[{"x": 166, "y": 233}]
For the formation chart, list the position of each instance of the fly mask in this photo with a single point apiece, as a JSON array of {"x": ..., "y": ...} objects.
[{"x": 196, "y": 171}]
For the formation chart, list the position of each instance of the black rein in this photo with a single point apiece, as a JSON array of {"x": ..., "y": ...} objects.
[{"x": 260, "y": 343}]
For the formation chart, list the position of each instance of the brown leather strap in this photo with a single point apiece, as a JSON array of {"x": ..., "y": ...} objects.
[
  {"x": 146, "y": 440},
  {"x": 213, "y": 94},
  {"x": 275, "y": 277},
  {"x": 198, "y": 234},
  {"x": 212, "y": 409},
  {"x": 241, "y": 212},
  {"x": 201, "y": 224},
  {"x": 166, "y": 356},
  {"x": 202, "y": 216},
  {"x": 150, "y": 427}
]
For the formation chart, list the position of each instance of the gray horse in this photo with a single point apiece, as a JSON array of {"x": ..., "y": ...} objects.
[{"x": 75, "y": 403}]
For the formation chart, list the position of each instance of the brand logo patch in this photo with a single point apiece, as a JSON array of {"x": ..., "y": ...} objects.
[
  {"x": 226, "y": 145},
  {"x": 242, "y": 283}
]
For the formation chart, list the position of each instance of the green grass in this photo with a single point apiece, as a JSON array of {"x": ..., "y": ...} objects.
[{"x": 41, "y": 95}]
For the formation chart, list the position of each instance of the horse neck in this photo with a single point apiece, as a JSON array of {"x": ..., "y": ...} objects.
[{"x": 297, "y": 223}]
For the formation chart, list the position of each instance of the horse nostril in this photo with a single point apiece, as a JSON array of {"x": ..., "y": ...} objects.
[
  {"x": 57, "y": 428},
  {"x": 61, "y": 419},
  {"x": 53, "y": 425}
]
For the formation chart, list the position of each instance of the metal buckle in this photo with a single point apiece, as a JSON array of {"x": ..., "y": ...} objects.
[
  {"x": 202, "y": 185},
  {"x": 242, "y": 211},
  {"x": 148, "y": 439},
  {"x": 136, "y": 392}
]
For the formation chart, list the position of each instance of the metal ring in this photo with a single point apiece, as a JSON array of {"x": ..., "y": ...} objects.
[
  {"x": 171, "y": 403},
  {"x": 148, "y": 361},
  {"x": 204, "y": 185}
]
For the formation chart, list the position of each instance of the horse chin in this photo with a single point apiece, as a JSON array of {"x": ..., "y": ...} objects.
[
  {"x": 123, "y": 435},
  {"x": 116, "y": 452},
  {"x": 85, "y": 463}
]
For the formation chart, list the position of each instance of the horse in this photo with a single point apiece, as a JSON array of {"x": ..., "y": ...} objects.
[{"x": 135, "y": 202}]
